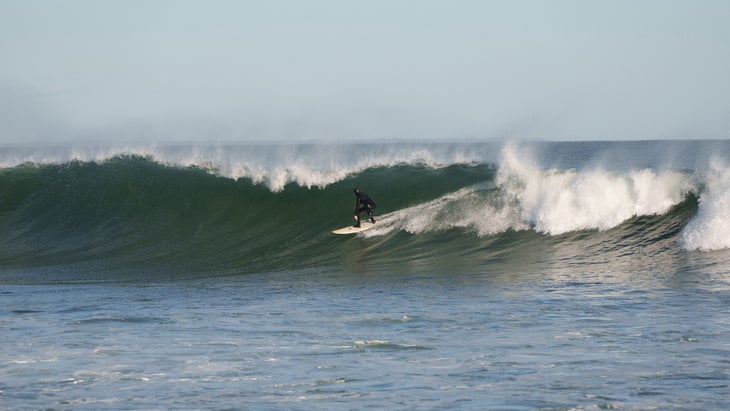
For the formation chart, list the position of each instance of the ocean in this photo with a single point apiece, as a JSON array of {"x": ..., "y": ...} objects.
[{"x": 499, "y": 276}]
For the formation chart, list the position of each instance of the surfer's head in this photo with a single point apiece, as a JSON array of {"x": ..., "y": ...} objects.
[{"x": 356, "y": 191}]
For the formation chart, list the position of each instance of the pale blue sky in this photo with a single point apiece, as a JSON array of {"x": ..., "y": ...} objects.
[{"x": 318, "y": 69}]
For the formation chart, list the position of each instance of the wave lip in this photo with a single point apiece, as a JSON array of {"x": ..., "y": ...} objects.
[{"x": 273, "y": 165}]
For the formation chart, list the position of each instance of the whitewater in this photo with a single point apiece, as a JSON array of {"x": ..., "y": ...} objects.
[{"x": 500, "y": 275}]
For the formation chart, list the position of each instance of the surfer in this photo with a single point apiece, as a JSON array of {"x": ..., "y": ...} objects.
[{"x": 363, "y": 203}]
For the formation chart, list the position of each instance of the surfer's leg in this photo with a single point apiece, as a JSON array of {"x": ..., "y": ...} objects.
[{"x": 370, "y": 214}]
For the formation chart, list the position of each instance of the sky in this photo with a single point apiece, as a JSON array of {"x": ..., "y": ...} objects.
[{"x": 337, "y": 70}]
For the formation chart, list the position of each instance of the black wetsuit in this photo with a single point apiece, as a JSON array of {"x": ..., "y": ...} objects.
[{"x": 363, "y": 202}]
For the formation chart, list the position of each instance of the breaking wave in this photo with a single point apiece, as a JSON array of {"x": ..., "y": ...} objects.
[{"x": 221, "y": 210}]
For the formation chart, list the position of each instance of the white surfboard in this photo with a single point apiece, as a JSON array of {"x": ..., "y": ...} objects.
[{"x": 354, "y": 230}]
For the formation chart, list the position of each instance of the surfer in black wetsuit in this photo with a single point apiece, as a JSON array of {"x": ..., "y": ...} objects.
[{"x": 363, "y": 203}]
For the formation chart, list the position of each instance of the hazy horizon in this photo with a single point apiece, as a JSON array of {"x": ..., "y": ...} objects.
[{"x": 381, "y": 70}]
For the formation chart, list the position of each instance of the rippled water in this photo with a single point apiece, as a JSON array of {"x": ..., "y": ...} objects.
[{"x": 328, "y": 339}]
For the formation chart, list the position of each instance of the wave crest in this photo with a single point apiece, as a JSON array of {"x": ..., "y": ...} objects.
[{"x": 273, "y": 165}]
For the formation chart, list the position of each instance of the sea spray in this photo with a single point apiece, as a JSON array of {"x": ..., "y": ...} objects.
[
  {"x": 475, "y": 208},
  {"x": 558, "y": 201},
  {"x": 710, "y": 228}
]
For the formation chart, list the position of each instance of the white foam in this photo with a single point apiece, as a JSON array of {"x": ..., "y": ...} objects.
[
  {"x": 555, "y": 201},
  {"x": 710, "y": 228},
  {"x": 559, "y": 201},
  {"x": 551, "y": 201},
  {"x": 472, "y": 207}
]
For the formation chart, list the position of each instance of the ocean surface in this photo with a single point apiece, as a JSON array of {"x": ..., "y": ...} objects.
[{"x": 499, "y": 276}]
